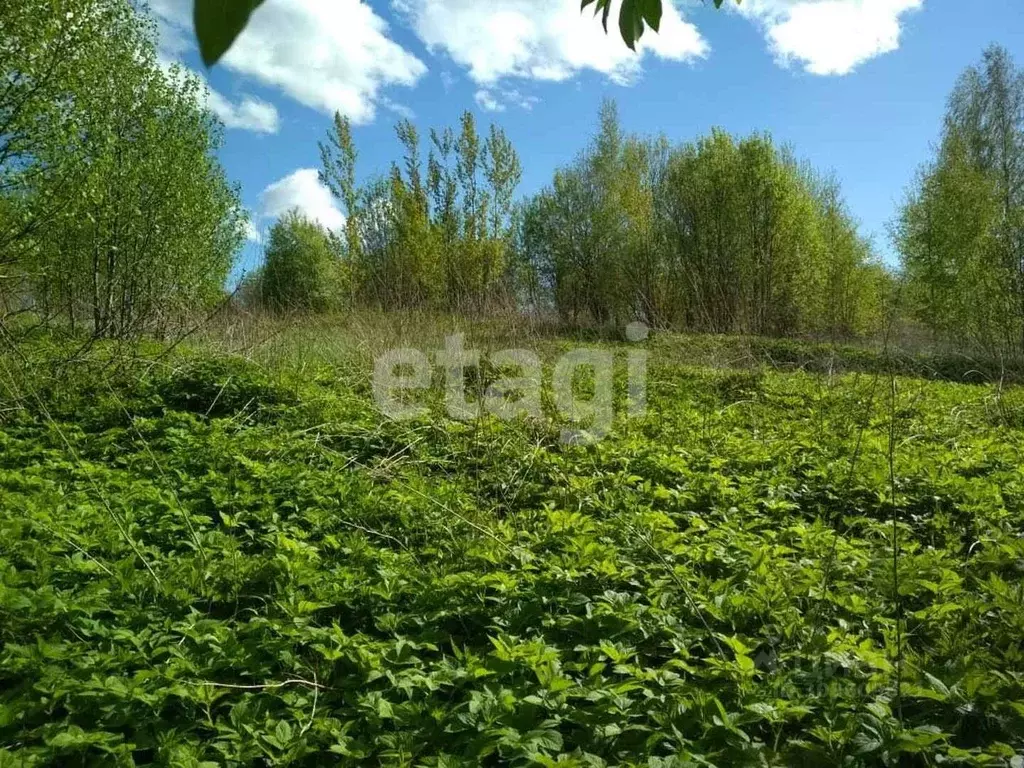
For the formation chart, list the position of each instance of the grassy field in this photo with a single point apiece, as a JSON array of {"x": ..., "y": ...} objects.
[{"x": 225, "y": 555}]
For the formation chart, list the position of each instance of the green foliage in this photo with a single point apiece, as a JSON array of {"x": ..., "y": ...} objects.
[
  {"x": 634, "y": 17},
  {"x": 338, "y": 173},
  {"x": 435, "y": 237},
  {"x": 719, "y": 235},
  {"x": 301, "y": 270},
  {"x": 50, "y": 53},
  {"x": 133, "y": 225},
  {"x": 961, "y": 232},
  {"x": 218, "y": 23},
  {"x": 221, "y": 388},
  {"x": 204, "y": 563}
]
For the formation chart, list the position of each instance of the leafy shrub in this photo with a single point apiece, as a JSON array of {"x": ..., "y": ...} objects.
[
  {"x": 222, "y": 387},
  {"x": 302, "y": 272},
  {"x": 734, "y": 386}
]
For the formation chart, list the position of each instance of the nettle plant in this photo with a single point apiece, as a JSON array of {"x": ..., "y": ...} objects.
[
  {"x": 509, "y": 384},
  {"x": 204, "y": 562}
]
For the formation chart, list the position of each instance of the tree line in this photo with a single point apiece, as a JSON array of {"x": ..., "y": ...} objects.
[
  {"x": 720, "y": 235},
  {"x": 428, "y": 234},
  {"x": 116, "y": 218}
]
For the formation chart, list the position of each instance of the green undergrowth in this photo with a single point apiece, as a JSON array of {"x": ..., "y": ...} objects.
[
  {"x": 340, "y": 340},
  {"x": 204, "y": 562}
]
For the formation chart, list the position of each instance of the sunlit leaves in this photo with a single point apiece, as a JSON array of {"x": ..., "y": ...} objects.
[
  {"x": 714, "y": 578},
  {"x": 961, "y": 230}
]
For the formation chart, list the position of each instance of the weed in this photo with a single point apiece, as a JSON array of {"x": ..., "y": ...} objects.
[{"x": 334, "y": 588}]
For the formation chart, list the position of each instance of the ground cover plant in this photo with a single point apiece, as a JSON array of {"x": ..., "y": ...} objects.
[
  {"x": 219, "y": 547},
  {"x": 206, "y": 560}
]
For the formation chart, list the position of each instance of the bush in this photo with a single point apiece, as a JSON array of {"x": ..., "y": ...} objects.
[
  {"x": 136, "y": 225},
  {"x": 302, "y": 271},
  {"x": 222, "y": 387}
]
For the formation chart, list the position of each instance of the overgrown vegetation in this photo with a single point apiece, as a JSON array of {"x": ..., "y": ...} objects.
[
  {"x": 216, "y": 550},
  {"x": 117, "y": 221},
  {"x": 205, "y": 562},
  {"x": 300, "y": 270},
  {"x": 721, "y": 236},
  {"x": 115, "y": 217}
]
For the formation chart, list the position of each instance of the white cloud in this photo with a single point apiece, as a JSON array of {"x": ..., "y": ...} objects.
[
  {"x": 250, "y": 114},
  {"x": 252, "y": 234},
  {"x": 498, "y": 99},
  {"x": 399, "y": 109},
  {"x": 302, "y": 190},
  {"x": 830, "y": 37},
  {"x": 175, "y": 26},
  {"x": 326, "y": 54},
  {"x": 488, "y": 101},
  {"x": 542, "y": 39}
]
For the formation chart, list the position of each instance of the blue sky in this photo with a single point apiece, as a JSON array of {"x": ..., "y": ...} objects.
[{"x": 855, "y": 86}]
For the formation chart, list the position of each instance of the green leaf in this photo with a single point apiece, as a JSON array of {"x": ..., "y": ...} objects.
[
  {"x": 633, "y": 15},
  {"x": 604, "y": 7},
  {"x": 937, "y": 684},
  {"x": 651, "y": 11},
  {"x": 283, "y": 733},
  {"x": 631, "y": 23},
  {"x": 218, "y": 23}
]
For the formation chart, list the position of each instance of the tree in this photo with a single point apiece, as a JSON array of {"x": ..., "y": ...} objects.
[
  {"x": 338, "y": 173},
  {"x": 443, "y": 188},
  {"x": 219, "y": 22},
  {"x": 301, "y": 271},
  {"x": 578, "y": 230},
  {"x": 718, "y": 235},
  {"x": 961, "y": 231},
  {"x": 436, "y": 236},
  {"x": 848, "y": 290},
  {"x": 502, "y": 171},
  {"x": 144, "y": 226},
  {"x": 50, "y": 53}
]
